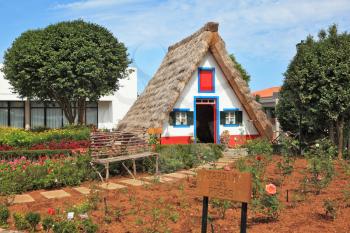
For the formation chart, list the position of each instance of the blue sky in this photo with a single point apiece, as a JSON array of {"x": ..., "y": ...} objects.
[{"x": 261, "y": 33}]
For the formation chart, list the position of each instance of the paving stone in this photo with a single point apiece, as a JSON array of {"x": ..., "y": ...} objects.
[
  {"x": 192, "y": 173},
  {"x": 55, "y": 194},
  {"x": 134, "y": 182},
  {"x": 177, "y": 175},
  {"x": 225, "y": 160},
  {"x": 112, "y": 186},
  {"x": 83, "y": 190},
  {"x": 24, "y": 198},
  {"x": 161, "y": 179}
]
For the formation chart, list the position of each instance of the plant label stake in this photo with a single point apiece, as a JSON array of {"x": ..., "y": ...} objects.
[{"x": 228, "y": 185}]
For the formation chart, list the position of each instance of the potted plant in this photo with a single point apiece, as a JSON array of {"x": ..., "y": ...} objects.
[{"x": 153, "y": 141}]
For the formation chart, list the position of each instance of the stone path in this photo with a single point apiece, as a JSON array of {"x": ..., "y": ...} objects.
[{"x": 125, "y": 183}]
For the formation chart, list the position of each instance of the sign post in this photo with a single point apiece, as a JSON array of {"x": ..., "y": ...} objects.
[
  {"x": 228, "y": 185},
  {"x": 205, "y": 214}
]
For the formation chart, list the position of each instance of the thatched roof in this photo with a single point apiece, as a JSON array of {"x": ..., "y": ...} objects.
[{"x": 153, "y": 106}]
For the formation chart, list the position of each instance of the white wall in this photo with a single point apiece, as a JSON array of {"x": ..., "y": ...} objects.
[
  {"x": 111, "y": 108},
  {"x": 227, "y": 99},
  {"x": 5, "y": 89}
]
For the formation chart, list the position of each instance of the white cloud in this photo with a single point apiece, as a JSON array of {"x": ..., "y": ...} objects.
[
  {"x": 261, "y": 30},
  {"x": 260, "y": 26}
]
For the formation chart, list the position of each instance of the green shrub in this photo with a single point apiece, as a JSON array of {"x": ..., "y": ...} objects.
[
  {"x": 48, "y": 223},
  {"x": 319, "y": 174},
  {"x": 222, "y": 206},
  {"x": 289, "y": 146},
  {"x": 65, "y": 227},
  {"x": 33, "y": 219},
  {"x": 176, "y": 157},
  {"x": 20, "y": 222},
  {"x": 88, "y": 226},
  {"x": 259, "y": 147},
  {"x": 4, "y": 215},
  {"x": 22, "y": 138},
  {"x": 330, "y": 208},
  {"x": 322, "y": 148}
]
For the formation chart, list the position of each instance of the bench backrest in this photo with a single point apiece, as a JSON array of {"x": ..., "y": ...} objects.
[{"x": 117, "y": 143}]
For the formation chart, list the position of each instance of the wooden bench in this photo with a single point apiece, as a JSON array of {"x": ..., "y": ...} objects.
[{"x": 119, "y": 146}]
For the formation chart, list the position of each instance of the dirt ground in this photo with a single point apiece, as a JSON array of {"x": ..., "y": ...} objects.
[{"x": 175, "y": 207}]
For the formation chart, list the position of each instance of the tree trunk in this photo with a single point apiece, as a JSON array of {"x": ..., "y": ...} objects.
[
  {"x": 340, "y": 130},
  {"x": 81, "y": 111},
  {"x": 331, "y": 132}
]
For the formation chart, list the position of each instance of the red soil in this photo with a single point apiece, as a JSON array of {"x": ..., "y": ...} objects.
[{"x": 180, "y": 197}]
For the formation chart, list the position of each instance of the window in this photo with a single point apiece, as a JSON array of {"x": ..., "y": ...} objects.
[
  {"x": 50, "y": 115},
  {"x": 231, "y": 117},
  {"x": 181, "y": 118},
  {"x": 12, "y": 113},
  {"x": 91, "y": 114},
  {"x": 206, "y": 80}
]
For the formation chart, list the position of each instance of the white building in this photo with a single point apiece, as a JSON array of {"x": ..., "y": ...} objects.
[{"x": 22, "y": 113}]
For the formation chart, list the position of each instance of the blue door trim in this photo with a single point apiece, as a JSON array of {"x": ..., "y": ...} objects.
[{"x": 217, "y": 116}]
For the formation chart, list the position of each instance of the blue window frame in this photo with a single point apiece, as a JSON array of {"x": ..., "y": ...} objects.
[
  {"x": 201, "y": 88},
  {"x": 231, "y": 117},
  {"x": 181, "y": 118}
]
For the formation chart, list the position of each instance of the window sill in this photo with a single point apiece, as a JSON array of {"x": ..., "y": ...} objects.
[
  {"x": 232, "y": 125},
  {"x": 181, "y": 126}
]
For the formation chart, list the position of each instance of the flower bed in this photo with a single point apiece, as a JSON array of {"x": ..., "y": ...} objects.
[
  {"x": 22, "y": 174},
  {"x": 53, "y": 145},
  {"x": 34, "y": 154},
  {"x": 19, "y": 138}
]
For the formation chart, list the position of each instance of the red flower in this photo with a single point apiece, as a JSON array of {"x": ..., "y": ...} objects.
[
  {"x": 51, "y": 211},
  {"x": 258, "y": 158}
]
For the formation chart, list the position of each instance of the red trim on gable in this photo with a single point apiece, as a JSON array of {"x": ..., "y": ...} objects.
[
  {"x": 237, "y": 140},
  {"x": 206, "y": 80},
  {"x": 176, "y": 140}
]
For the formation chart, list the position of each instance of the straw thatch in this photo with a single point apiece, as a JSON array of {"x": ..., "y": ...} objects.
[{"x": 153, "y": 106}]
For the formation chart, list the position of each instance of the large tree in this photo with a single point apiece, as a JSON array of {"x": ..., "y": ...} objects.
[
  {"x": 318, "y": 81},
  {"x": 68, "y": 62}
]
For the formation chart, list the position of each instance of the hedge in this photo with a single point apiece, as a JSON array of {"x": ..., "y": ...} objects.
[{"x": 22, "y": 138}]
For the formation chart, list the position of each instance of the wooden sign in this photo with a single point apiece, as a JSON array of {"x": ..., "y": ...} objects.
[
  {"x": 228, "y": 185},
  {"x": 154, "y": 131}
]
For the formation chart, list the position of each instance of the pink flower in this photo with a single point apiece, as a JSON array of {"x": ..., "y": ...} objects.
[
  {"x": 227, "y": 168},
  {"x": 270, "y": 189}
]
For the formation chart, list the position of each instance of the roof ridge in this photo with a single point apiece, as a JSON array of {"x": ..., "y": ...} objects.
[{"x": 209, "y": 26}]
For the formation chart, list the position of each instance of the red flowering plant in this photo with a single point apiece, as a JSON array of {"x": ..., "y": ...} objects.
[
  {"x": 265, "y": 200},
  {"x": 22, "y": 175}
]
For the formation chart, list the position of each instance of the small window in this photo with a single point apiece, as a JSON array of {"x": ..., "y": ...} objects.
[
  {"x": 181, "y": 118},
  {"x": 206, "y": 82},
  {"x": 231, "y": 117}
]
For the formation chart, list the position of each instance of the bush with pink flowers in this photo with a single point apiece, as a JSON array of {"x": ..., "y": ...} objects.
[{"x": 22, "y": 175}]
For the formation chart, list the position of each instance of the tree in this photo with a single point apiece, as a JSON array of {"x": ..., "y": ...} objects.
[
  {"x": 318, "y": 81},
  {"x": 241, "y": 70},
  {"x": 68, "y": 62}
]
